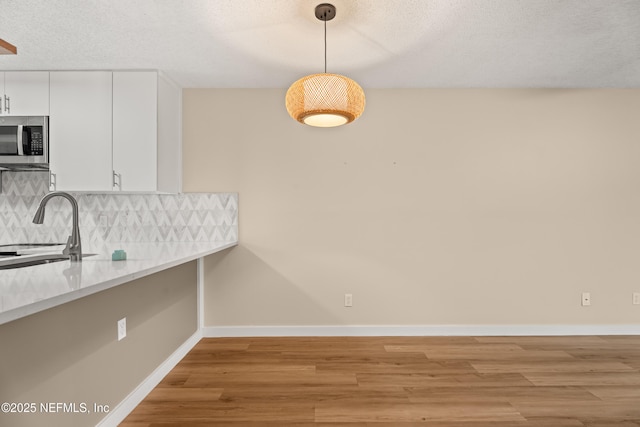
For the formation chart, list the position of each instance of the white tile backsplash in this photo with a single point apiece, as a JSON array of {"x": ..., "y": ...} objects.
[{"x": 106, "y": 218}]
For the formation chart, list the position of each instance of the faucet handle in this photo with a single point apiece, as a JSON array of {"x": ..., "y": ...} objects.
[{"x": 67, "y": 249}]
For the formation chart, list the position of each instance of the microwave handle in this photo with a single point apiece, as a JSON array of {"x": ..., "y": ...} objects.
[
  {"x": 20, "y": 140},
  {"x": 7, "y": 104}
]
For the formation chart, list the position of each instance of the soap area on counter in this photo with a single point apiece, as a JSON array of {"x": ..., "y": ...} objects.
[{"x": 130, "y": 235}]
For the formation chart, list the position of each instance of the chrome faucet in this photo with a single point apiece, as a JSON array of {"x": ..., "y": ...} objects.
[{"x": 74, "y": 246}]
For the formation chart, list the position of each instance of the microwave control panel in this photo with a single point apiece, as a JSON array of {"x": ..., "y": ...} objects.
[{"x": 36, "y": 141}]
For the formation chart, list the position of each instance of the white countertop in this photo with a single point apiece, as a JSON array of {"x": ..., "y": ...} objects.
[{"x": 28, "y": 290}]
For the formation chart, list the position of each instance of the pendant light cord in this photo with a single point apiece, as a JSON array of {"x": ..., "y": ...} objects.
[{"x": 325, "y": 43}]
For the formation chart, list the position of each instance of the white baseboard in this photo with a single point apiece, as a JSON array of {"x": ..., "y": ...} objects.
[
  {"x": 418, "y": 330},
  {"x": 124, "y": 408}
]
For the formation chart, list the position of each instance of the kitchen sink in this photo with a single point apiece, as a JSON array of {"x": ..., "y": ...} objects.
[
  {"x": 31, "y": 260},
  {"x": 14, "y": 249}
]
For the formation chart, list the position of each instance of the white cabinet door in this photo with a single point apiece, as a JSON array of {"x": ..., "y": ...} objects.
[
  {"x": 25, "y": 93},
  {"x": 169, "y": 136},
  {"x": 80, "y": 130},
  {"x": 135, "y": 124}
]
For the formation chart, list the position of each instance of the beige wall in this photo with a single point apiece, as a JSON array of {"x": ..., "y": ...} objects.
[
  {"x": 70, "y": 353},
  {"x": 435, "y": 207}
]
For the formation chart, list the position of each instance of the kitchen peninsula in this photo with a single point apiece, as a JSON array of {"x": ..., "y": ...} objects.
[
  {"x": 60, "y": 337},
  {"x": 28, "y": 290}
]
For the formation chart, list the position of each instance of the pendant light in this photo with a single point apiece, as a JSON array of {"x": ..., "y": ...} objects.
[
  {"x": 7, "y": 48},
  {"x": 325, "y": 99}
]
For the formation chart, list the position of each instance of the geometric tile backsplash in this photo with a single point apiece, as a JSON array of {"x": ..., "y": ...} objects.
[{"x": 106, "y": 218}]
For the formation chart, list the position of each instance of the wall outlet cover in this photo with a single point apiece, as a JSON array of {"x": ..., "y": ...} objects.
[
  {"x": 122, "y": 328},
  {"x": 348, "y": 300}
]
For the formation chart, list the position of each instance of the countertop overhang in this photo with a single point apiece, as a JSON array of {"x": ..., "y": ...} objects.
[{"x": 26, "y": 291}]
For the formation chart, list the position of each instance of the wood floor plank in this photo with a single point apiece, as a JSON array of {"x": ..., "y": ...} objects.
[
  {"x": 544, "y": 422},
  {"x": 175, "y": 379},
  {"x": 629, "y": 339},
  {"x": 302, "y": 344},
  {"x": 616, "y": 393},
  {"x": 221, "y": 412},
  {"x": 220, "y": 346},
  {"x": 571, "y": 365},
  {"x": 248, "y": 379},
  {"x": 347, "y": 357},
  {"x": 612, "y": 423},
  {"x": 580, "y": 381},
  {"x": 253, "y": 368},
  {"x": 184, "y": 394},
  {"x": 425, "y": 380},
  {"x": 496, "y": 352},
  {"x": 625, "y": 355},
  {"x": 192, "y": 423},
  {"x": 507, "y": 394},
  {"x": 453, "y": 348},
  {"x": 564, "y": 341},
  {"x": 497, "y": 355},
  {"x": 407, "y": 412},
  {"x": 583, "y": 379},
  {"x": 385, "y": 366},
  {"x": 547, "y": 422},
  {"x": 592, "y": 410},
  {"x": 330, "y": 393}
]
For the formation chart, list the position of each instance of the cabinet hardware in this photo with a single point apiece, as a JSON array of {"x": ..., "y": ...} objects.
[
  {"x": 52, "y": 181},
  {"x": 117, "y": 180}
]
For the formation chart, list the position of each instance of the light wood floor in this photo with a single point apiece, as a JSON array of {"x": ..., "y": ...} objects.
[{"x": 401, "y": 381}]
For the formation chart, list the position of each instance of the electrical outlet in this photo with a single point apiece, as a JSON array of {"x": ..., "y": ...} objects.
[
  {"x": 122, "y": 328},
  {"x": 103, "y": 221},
  {"x": 636, "y": 298},
  {"x": 348, "y": 300},
  {"x": 586, "y": 299}
]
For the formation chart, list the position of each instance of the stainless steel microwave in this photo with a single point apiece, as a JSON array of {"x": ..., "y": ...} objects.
[{"x": 24, "y": 143}]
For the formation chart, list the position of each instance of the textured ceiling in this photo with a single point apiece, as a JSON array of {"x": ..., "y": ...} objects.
[{"x": 379, "y": 43}]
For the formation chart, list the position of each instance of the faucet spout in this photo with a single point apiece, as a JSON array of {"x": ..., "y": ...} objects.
[{"x": 74, "y": 246}]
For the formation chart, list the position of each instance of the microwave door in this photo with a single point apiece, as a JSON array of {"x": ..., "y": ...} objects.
[{"x": 8, "y": 139}]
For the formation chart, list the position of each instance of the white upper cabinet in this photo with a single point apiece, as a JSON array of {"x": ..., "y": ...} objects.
[
  {"x": 169, "y": 136},
  {"x": 115, "y": 131},
  {"x": 135, "y": 130},
  {"x": 80, "y": 131},
  {"x": 24, "y": 93}
]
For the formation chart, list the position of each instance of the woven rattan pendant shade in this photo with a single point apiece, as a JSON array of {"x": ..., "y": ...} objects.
[{"x": 325, "y": 100}]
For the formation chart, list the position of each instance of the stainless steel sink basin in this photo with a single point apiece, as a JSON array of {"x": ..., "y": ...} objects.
[
  {"x": 31, "y": 260},
  {"x": 13, "y": 249}
]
